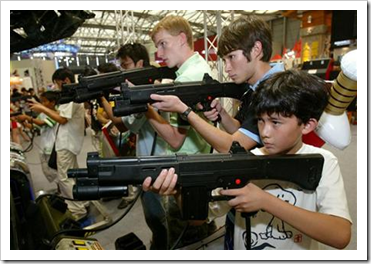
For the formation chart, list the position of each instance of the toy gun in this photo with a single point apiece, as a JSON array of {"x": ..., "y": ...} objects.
[
  {"x": 22, "y": 98},
  {"x": 23, "y": 105},
  {"x": 16, "y": 113},
  {"x": 135, "y": 99},
  {"x": 91, "y": 87},
  {"x": 198, "y": 175}
]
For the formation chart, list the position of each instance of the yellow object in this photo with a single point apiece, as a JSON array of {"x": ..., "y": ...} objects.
[
  {"x": 306, "y": 52},
  {"x": 79, "y": 242},
  {"x": 314, "y": 50}
]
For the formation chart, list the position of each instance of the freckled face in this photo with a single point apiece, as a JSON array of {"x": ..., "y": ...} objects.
[{"x": 168, "y": 48}]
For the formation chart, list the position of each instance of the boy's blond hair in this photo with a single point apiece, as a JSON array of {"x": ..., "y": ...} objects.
[{"x": 174, "y": 25}]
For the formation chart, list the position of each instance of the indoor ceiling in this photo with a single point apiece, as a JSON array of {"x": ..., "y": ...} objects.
[{"x": 109, "y": 29}]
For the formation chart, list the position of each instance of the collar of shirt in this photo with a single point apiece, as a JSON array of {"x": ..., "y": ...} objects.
[
  {"x": 276, "y": 67},
  {"x": 190, "y": 62}
]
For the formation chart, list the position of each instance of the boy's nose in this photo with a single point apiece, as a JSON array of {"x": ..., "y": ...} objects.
[
  {"x": 265, "y": 131},
  {"x": 160, "y": 53},
  {"x": 227, "y": 67}
]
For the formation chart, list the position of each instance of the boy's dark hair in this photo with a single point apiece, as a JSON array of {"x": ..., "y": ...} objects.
[
  {"x": 63, "y": 73},
  {"x": 51, "y": 96},
  {"x": 89, "y": 71},
  {"x": 107, "y": 67},
  {"x": 292, "y": 92},
  {"x": 242, "y": 34},
  {"x": 135, "y": 51}
]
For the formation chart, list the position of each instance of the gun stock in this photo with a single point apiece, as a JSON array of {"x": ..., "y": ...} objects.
[
  {"x": 135, "y": 99},
  {"x": 198, "y": 175}
]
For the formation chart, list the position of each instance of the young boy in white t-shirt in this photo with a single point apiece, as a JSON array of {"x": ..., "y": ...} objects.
[
  {"x": 47, "y": 127},
  {"x": 288, "y": 105}
]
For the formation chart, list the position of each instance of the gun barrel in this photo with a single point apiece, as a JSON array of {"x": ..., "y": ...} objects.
[
  {"x": 77, "y": 173},
  {"x": 96, "y": 192}
]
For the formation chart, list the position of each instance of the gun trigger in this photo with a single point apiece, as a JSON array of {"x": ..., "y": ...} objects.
[{"x": 205, "y": 106}]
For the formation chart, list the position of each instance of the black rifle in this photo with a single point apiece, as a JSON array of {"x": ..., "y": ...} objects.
[
  {"x": 16, "y": 113},
  {"x": 91, "y": 87},
  {"x": 135, "y": 99},
  {"x": 198, "y": 175},
  {"x": 22, "y": 98}
]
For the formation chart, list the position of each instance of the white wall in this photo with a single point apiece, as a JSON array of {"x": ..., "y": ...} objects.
[{"x": 41, "y": 71}]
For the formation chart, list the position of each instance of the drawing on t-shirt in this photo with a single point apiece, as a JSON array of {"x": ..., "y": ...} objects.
[{"x": 276, "y": 227}]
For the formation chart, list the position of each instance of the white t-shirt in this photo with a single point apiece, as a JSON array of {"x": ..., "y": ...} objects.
[
  {"x": 70, "y": 136},
  {"x": 269, "y": 232},
  {"x": 47, "y": 133}
]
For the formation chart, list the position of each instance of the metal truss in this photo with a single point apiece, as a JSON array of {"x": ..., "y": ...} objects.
[{"x": 112, "y": 28}]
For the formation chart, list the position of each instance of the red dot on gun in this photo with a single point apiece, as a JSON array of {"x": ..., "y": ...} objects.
[{"x": 238, "y": 181}]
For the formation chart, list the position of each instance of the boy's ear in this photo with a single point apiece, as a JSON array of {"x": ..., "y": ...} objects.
[
  {"x": 183, "y": 38},
  {"x": 309, "y": 126},
  {"x": 67, "y": 80},
  {"x": 257, "y": 49},
  {"x": 139, "y": 64}
]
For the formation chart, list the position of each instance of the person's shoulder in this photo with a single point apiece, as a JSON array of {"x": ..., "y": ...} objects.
[
  {"x": 78, "y": 105},
  {"x": 309, "y": 149},
  {"x": 195, "y": 73}
]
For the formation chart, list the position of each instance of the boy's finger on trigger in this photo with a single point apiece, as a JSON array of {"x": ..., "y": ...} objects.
[{"x": 199, "y": 106}]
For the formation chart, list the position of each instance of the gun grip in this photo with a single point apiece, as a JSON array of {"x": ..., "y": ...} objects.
[
  {"x": 206, "y": 107},
  {"x": 249, "y": 214},
  {"x": 195, "y": 203}
]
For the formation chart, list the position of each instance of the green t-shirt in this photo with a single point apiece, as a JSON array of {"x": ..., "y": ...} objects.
[{"x": 192, "y": 70}]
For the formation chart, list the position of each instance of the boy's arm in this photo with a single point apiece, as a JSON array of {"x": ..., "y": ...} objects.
[
  {"x": 117, "y": 121},
  {"x": 328, "y": 229},
  {"x": 30, "y": 120},
  {"x": 49, "y": 112},
  {"x": 218, "y": 139},
  {"x": 103, "y": 117},
  {"x": 174, "y": 136}
]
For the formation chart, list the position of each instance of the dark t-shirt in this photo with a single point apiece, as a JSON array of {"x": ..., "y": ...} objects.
[{"x": 246, "y": 115}]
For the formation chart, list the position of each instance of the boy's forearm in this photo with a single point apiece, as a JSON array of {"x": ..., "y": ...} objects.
[
  {"x": 173, "y": 136},
  {"x": 229, "y": 124},
  {"x": 54, "y": 115},
  {"x": 218, "y": 139},
  {"x": 116, "y": 120},
  {"x": 327, "y": 229}
]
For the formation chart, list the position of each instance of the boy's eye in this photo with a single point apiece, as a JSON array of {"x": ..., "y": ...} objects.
[{"x": 260, "y": 120}]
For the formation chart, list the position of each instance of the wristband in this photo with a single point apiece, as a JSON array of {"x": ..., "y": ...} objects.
[{"x": 185, "y": 114}]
